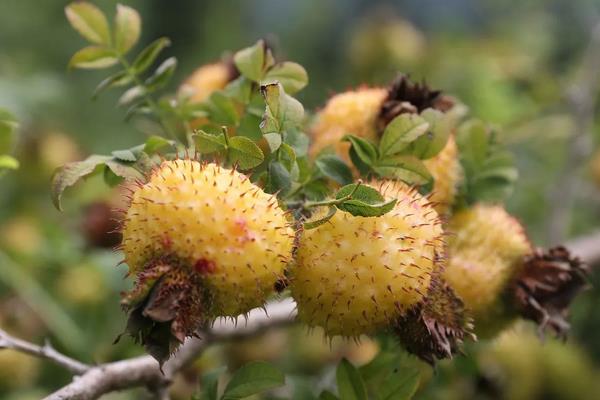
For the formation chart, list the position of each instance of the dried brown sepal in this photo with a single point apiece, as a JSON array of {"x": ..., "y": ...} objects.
[
  {"x": 405, "y": 96},
  {"x": 546, "y": 286},
  {"x": 435, "y": 328},
  {"x": 166, "y": 305}
]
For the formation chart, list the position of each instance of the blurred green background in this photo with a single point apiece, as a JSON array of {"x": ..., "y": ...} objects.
[{"x": 510, "y": 61}]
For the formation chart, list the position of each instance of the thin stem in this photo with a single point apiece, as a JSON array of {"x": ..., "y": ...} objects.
[
  {"x": 151, "y": 102},
  {"x": 46, "y": 351}
]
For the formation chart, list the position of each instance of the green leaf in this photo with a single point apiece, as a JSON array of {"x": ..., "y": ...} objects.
[
  {"x": 274, "y": 140},
  {"x": 362, "y": 209},
  {"x": 132, "y": 94},
  {"x": 334, "y": 168},
  {"x": 292, "y": 76},
  {"x": 349, "y": 382},
  {"x": 162, "y": 74},
  {"x": 93, "y": 57},
  {"x": 244, "y": 152},
  {"x": 240, "y": 89},
  {"x": 282, "y": 111},
  {"x": 364, "y": 150},
  {"x": 123, "y": 169},
  {"x": 435, "y": 139},
  {"x": 253, "y": 378},
  {"x": 251, "y": 61},
  {"x": 222, "y": 110},
  {"x": 405, "y": 168},
  {"x": 8, "y": 162},
  {"x": 361, "y": 192},
  {"x": 287, "y": 157},
  {"x": 278, "y": 178},
  {"x": 400, "y": 132},
  {"x": 327, "y": 395},
  {"x": 401, "y": 384},
  {"x": 313, "y": 223},
  {"x": 210, "y": 385},
  {"x": 365, "y": 202},
  {"x": 147, "y": 56},
  {"x": 249, "y": 126},
  {"x": 297, "y": 140},
  {"x": 207, "y": 143},
  {"x": 8, "y": 125},
  {"x": 120, "y": 78},
  {"x": 155, "y": 143},
  {"x": 110, "y": 178},
  {"x": 70, "y": 173},
  {"x": 89, "y": 21},
  {"x": 128, "y": 26},
  {"x": 489, "y": 169},
  {"x": 379, "y": 367},
  {"x": 124, "y": 155},
  {"x": 472, "y": 140},
  {"x": 140, "y": 108}
]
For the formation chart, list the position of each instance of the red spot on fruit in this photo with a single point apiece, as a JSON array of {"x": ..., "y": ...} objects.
[
  {"x": 204, "y": 266},
  {"x": 241, "y": 223},
  {"x": 241, "y": 233},
  {"x": 166, "y": 241}
]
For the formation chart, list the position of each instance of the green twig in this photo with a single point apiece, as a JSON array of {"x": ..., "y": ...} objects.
[{"x": 151, "y": 102}]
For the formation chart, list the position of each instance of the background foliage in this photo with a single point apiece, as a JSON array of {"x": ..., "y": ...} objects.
[{"x": 510, "y": 61}]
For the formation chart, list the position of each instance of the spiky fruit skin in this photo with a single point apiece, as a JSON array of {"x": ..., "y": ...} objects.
[
  {"x": 447, "y": 173},
  {"x": 352, "y": 112},
  {"x": 207, "y": 79},
  {"x": 486, "y": 249},
  {"x": 215, "y": 222},
  {"x": 356, "y": 275}
]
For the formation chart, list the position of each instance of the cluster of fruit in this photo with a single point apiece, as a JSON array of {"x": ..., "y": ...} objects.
[
  {"x": 245, "y": 208},
  {"x": 206, "y": 242}
]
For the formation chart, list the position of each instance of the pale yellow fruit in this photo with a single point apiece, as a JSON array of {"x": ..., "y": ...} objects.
[
  {"x": 22, "y": 234},
  {"x": 486, "y": 249},
  {"x": 206, "y": 80},
  {"x": 447, "y": 173},
  {"x": 82, "y": 284},
  {"x": 356, "y": 275},
  {"x": 57, "y": 148},
  {"x": 353, "y": 112},
  {"x": 214, "y": 221}
]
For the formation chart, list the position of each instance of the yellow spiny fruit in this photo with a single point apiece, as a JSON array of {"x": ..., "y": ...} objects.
[
  {"x": 207, "y": 79},
  {"x": 486, "y": 250},
  {"x": 355, "y": 275},
  {"x": 356, "y": 112},
  {"x": 447, "y": 172},
  {"x": 214, "y": 222},
  {"x": 352, "y": 112}
]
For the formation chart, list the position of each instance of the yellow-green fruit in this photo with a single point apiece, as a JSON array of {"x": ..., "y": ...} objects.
[
  {"x": 486, "y": 249},
  {"x": 213, "y": 221},
  {"x": 22, "y": 234},
  {"x": 206, "y": 80},
  {"x": 17, "y": 370},
  {"x": 353, "y": 112},
  {"x": 512, "y": 361},
  {"x": 355, "y": 275},
  {"x": 447, "y": 172}
]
